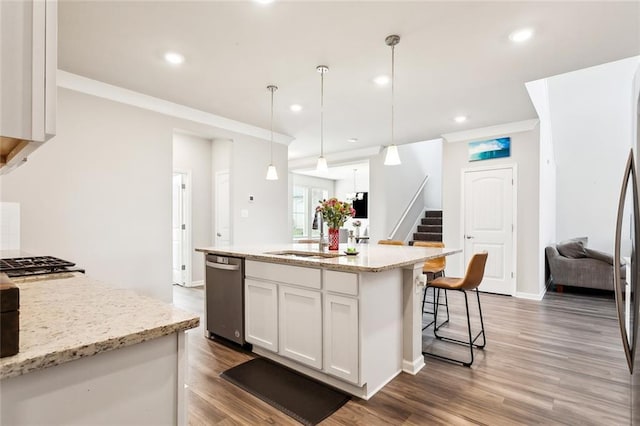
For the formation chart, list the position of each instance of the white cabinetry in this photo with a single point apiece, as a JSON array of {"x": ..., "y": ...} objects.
[
  {"x": 261, "y": 314},
  {"x": 28, "y": 47},
  {"x": 341, "y": 337},
  {"x": 301, "y": 325}
]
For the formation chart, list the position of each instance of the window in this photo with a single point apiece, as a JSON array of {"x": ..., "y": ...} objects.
[{"x": 305, "y": 200}]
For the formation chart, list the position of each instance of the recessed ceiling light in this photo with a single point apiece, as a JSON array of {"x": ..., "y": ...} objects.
[
  {"x": 381, "y": 80},
  {"x": 460, "y": 119},
  {"x": 295, "y": 108},
  {"x": 174, "y": 58},
  {"x": 352, "y": 140},
  {"x": 519, "y": 36}
]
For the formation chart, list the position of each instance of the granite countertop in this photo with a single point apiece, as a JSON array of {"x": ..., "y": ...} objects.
[
  {"x": 371, "y": 257},
  {"x": 72, "y": 316}
]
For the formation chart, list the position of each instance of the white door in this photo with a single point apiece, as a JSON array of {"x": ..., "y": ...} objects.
[
  {"x": 222, "y": 210},
  {"x": 178, "y": 229},
  {"x": 341, "y": 337},
  {"x": 301, "y": 325},
  {"x": 488, "y": 225},
  {"x": 261, "y": 314}
]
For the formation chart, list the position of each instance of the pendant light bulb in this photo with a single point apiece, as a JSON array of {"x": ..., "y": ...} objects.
[
  {"x": 392, "y": 158},
  {"x": 322, "y": 162},
  {"x": 272, "y": 173},
  {"x": 322, "y": 165}
]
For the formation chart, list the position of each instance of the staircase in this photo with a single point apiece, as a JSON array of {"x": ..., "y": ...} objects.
[{"x": 431, "y": 227}]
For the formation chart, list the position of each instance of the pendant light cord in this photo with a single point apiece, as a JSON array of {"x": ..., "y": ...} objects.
[
  {"x": 393, "y": 67},
  {"x": 321, "y": 113},
  {"x": 272, "y": 90}
]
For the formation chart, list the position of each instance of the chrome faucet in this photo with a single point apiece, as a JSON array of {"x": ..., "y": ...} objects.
[{"x": 321, "y": 242}]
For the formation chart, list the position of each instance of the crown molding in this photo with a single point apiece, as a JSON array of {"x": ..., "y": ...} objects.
[
  {"x": 336, "y": 158},
  {"x": 491, "y": 131},
  {"x": 99, "y": 89}
]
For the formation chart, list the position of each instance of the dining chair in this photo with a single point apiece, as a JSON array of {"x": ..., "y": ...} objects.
[{"x": 470, "y": 282}]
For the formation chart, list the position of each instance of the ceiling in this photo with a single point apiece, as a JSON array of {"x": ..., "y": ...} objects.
[
  {"x": 454, "y": 58},
  {"x": 338, "y": 172}
]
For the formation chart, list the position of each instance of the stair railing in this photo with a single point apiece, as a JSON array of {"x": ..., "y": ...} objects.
[{"x": 408, "y": 209}]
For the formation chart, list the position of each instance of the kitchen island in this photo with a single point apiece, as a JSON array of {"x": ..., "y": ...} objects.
[
  {"x": 354, "y": 322},
  {"x": 94, "y": 354}
]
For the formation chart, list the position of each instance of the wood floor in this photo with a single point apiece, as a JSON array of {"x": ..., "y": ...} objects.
[{"x": 558, "y": 361}]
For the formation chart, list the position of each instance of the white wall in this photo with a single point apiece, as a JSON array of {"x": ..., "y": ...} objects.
[
  {"x": 221, "y": 153},
  {"x": 99, "y": 193},
  {"x": 392, "y": 187},
  {"x": 192, "y": 154},
  {"x": 592, "y": 133},
  {"x": 267, "y": 219},
  {"x": 524, "y": 153},
  {"x": 539, "y": 94}
]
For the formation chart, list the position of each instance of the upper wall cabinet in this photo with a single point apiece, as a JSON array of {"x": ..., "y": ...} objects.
[{"x": 28, "y": 66}]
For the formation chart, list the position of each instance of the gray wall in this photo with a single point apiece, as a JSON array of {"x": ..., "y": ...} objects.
[{"x": 524, "y": 153}]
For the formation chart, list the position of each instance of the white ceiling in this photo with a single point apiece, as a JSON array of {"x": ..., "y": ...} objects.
[{"x": 454, "y": 58}]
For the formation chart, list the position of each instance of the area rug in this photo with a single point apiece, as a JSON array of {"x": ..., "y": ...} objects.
[{"x": 298, "y": 396}]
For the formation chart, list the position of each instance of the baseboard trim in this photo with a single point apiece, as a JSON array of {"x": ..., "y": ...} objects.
[
  {"x": 196, "y": 284},
  {"x": 413, "y": 367},
  {"x": 531, "y": 296}
]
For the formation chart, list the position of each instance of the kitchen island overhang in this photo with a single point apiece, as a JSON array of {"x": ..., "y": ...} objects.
[{"x": 354, "y": 322}]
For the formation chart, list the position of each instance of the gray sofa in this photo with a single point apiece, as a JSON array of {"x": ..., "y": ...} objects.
[{"x": 573, "y": 264}]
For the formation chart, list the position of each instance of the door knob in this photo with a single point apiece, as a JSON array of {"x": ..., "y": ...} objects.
[
  {"x": 468, "y": 237},
  {"x": 218, "y": 234}
]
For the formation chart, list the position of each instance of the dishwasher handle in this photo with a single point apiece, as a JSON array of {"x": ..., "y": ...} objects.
[{"x": 223, "y": 266}]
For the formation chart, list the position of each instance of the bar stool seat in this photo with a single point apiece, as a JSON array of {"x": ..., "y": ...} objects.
[
  {"x": 433, "y": 268},
  {"x": 470, "y": 282}
]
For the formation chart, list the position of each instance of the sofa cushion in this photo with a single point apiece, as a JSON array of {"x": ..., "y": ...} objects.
[{"x": 572, "y": 249}]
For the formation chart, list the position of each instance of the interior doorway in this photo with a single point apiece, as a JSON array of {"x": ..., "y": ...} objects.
[
  {"x": 488, "y": 218},
  {"x": 181, "y": 228}
]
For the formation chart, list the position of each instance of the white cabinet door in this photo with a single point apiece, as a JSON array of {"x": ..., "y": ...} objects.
[
  {"x": 341, "y": 358},
  {"x": 301, "y": 325},
  {"x": 261, "y": 314}
]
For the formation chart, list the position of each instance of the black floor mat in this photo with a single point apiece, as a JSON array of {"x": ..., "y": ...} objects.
[{"x": 298, "y": 396}]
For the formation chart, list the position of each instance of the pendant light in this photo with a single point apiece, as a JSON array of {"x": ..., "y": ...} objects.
[
  {"x": 322, "y": 162},
  {"x": 272, "y": 173},
  {"x": 392, "y": 158}
]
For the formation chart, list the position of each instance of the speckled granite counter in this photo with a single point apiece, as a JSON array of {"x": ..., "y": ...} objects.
[
  {"x": 372, "y": 257},
  {"x": 73, "y": 317}
]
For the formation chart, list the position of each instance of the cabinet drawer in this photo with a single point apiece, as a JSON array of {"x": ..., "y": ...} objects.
[
  {"x": 288, "y": 274},
  {"x": 341, "y": 282}
]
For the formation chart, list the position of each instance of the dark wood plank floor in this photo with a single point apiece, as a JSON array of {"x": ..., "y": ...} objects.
[{"x": 558, "y": 361}]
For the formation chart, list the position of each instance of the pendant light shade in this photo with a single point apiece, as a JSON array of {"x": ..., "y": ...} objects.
[
  {"x": 322, "y": 162},
  {"x": 272, "y": 173},
  {"x": 322, "y": 165},
  {"x": 392, "y": 158}
]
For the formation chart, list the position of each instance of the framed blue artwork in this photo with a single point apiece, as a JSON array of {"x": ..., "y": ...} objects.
[{"x": 490, "y": 149}]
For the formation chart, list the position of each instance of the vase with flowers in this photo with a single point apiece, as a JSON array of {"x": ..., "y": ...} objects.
[{"x": 335, "y": 213}]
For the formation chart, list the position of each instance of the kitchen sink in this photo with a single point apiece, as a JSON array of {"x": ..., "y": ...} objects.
[{"x": 304, "y": 254}]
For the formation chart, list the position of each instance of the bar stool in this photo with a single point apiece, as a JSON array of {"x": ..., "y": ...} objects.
[
  {"x": 391, "y": 242},
  {"x": 470, "y": 282},
  {"x": 433, "y": 268}
]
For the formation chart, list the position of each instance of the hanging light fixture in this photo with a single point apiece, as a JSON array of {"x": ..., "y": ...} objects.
[
  {"x": 392, "y": 158},
  {"x": 272, "y": 173},
  {"x": 322, "y": 162}
]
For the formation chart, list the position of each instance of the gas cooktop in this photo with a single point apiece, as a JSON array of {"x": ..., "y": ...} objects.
[{"x": 36, "y": 265}]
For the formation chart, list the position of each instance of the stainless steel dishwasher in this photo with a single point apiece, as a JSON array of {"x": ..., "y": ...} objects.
[{"x": 225, "y": 297}]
